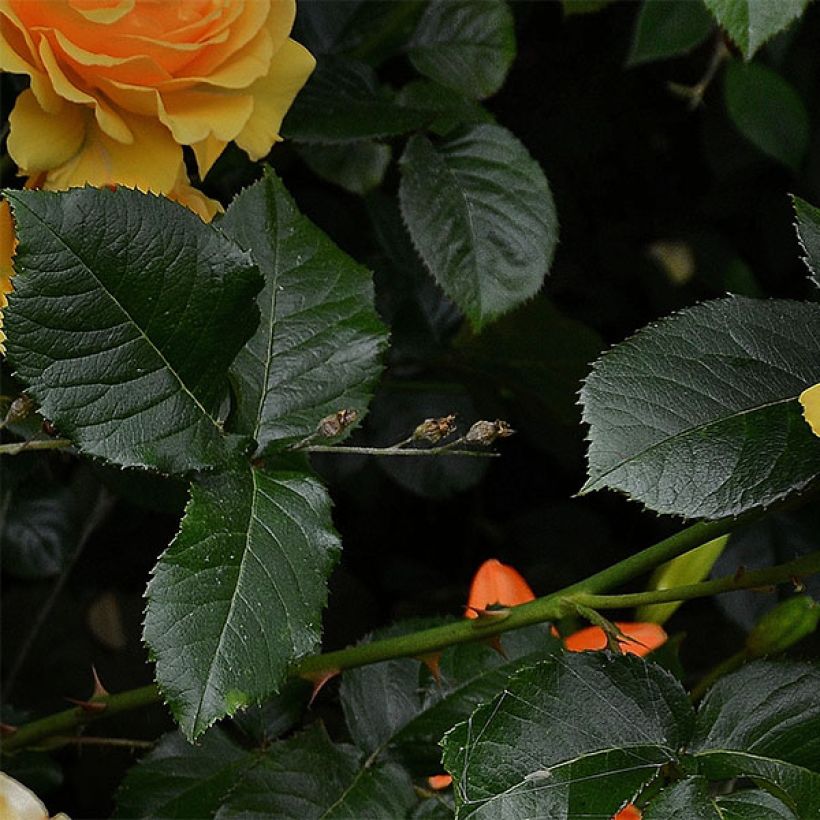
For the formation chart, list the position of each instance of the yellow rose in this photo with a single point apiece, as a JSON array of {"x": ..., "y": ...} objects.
[
  {"x": 810, "y": 399},
  {"x": 19, "y": 803},
  {"x": 118, "y": 86}
]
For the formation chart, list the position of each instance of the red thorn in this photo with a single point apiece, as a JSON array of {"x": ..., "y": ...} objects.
[
  {"x": 7, "y": 729},
  {"x": 739, "y": 572},
  {"x": 99, "y": 690},
  {"x": 431, "y": 661},
  {"x": 495, "y": 643},
  {"x": 319, "y": 680}
]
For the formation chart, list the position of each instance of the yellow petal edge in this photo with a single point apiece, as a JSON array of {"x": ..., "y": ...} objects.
[{"x": 810, "y": 399}]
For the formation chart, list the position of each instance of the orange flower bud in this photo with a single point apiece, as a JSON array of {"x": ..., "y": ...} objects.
[
  {"x": 643, "y": 638},
  {"x": 628, "y": 812},
  {"x": 497, "y": 583}
]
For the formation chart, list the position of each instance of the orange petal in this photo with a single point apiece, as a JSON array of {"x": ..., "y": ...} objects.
[
  {"x": 497, "y": 583},
  {"x": 439, "y": 781},
  {"x": 628, "y": 812},
  {"x": 645, "y": 638}
]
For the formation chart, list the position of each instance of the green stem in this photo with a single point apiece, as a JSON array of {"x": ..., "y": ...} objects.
[
  {"x": 807, "y": 565},
  {"x": 64, "y": 722},
  {"x": 415, "y": 644},
  {"x": 33, "y": 444}
]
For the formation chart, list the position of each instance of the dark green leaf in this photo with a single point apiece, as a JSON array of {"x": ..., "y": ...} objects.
[
  {"x": 767, "y": 111},
  {"x": 178, "y": 780},
  {"x": 696, "y": 415},
  {"x": 538, "y": 353},
  {"x": 400, "y": 705},
  {"x": 126, "y": 313},
  {"x": 309, "y": 777},
  {"x": 808, "y": 234},
  {"x": 318, "y": 346},
  {"x": 468, "y": 45},
  {"x": 751, "y": 22},
  {"x": 42, "y": 522},
  {"x": 763, "y": 723},
  {"x": 685, "y": 800},
  {"x": 238, "y": 595},
  {"x": 667, "y": 29},
  {"x": 357, "y": 167},
  {"x": 753, "y": 804},
  {"x": 343, "y": 102},
  {"x": 572, "y": 736},
  {"x": 449, "y": 108},
  {"x": 481, "y": 215}
]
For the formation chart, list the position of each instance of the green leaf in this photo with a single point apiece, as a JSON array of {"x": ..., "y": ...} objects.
[
  {"x": 569, "y": 737},
  {"x": 751, "y": 22},
  {"x": 449, "y": 108},
  {"x": 687, "y": 799},
  {"x": 179, "y": 780},
  {"x": 399, "y": 705},
  {"x": 767, "y": 111},
  {"x": 467, "y": 45},
  {"x": 343, "y": 102},
  {"x": 42, "y": 522},
  {"x": 753, "y": 804},
  {"x": 238, "y": 596},
  {"x": 696, "y": 415},
  {"x": 310, "y": 777},
  {"x": 481, "y": 215},
  {"x": 808, "y": 234},
  {"x": 763, "y": 723},
  {"x": 318, "y": 347},
  {"x": 538, "y": 353},
  {"x": 127, "y": 311},
  {"x": 357, "y": 167},
  {"x": 667, "y": 29}
]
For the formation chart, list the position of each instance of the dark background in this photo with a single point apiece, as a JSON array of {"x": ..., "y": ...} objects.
[{"x": 629, "y": 165}]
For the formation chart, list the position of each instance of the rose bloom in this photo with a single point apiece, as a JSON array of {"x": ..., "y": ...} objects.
[{"x": 117, "y": 87}]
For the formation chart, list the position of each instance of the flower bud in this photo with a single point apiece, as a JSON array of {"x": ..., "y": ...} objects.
[
  {"x": 434, "y": 430},
  {"x": 486, "y": 432},
  {"x": 336, "y": 423},
  {"x": 789, "y": 622}
]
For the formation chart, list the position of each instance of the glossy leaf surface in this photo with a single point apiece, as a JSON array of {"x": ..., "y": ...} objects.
[
  {"x": 127, "y": 312},
  {"x": 317, "y": 349},
  {"x": 238, "y": 596},
  {"x": 481, "y": 215},
  {"x": 697, "y": 415}
]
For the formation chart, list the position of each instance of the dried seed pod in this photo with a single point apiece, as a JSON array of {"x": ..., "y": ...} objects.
[
  {"x": 434, "y": 430},
  {"x": 486, "y": 432},
  {"x": 336, "y": 423}
]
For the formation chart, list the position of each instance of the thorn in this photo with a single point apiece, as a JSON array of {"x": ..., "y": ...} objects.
[
  {"x": 798, "y": 584},
  {"x": 89, "y": 706},
  {"x": 6, "y": 729},
  {"x": 99, "y": 690},
  {"x": 488, "y": 615},
  {"x": 495, "y": 643},
  {"x": 739, "y": 573},
  {"x": 319, "y": 680},
  {"x": 431, "y": 661}
]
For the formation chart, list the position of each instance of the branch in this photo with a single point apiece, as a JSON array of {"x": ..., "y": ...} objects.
[
  {"x": 34, "y": 444},
  {"x": 549, "y": 608}
]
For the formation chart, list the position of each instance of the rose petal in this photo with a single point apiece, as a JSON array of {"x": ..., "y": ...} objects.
[
  {"x": 497, "y": 583},
  {"x": 645, "y": 638},
  {"x": 810, "y": 399}
]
